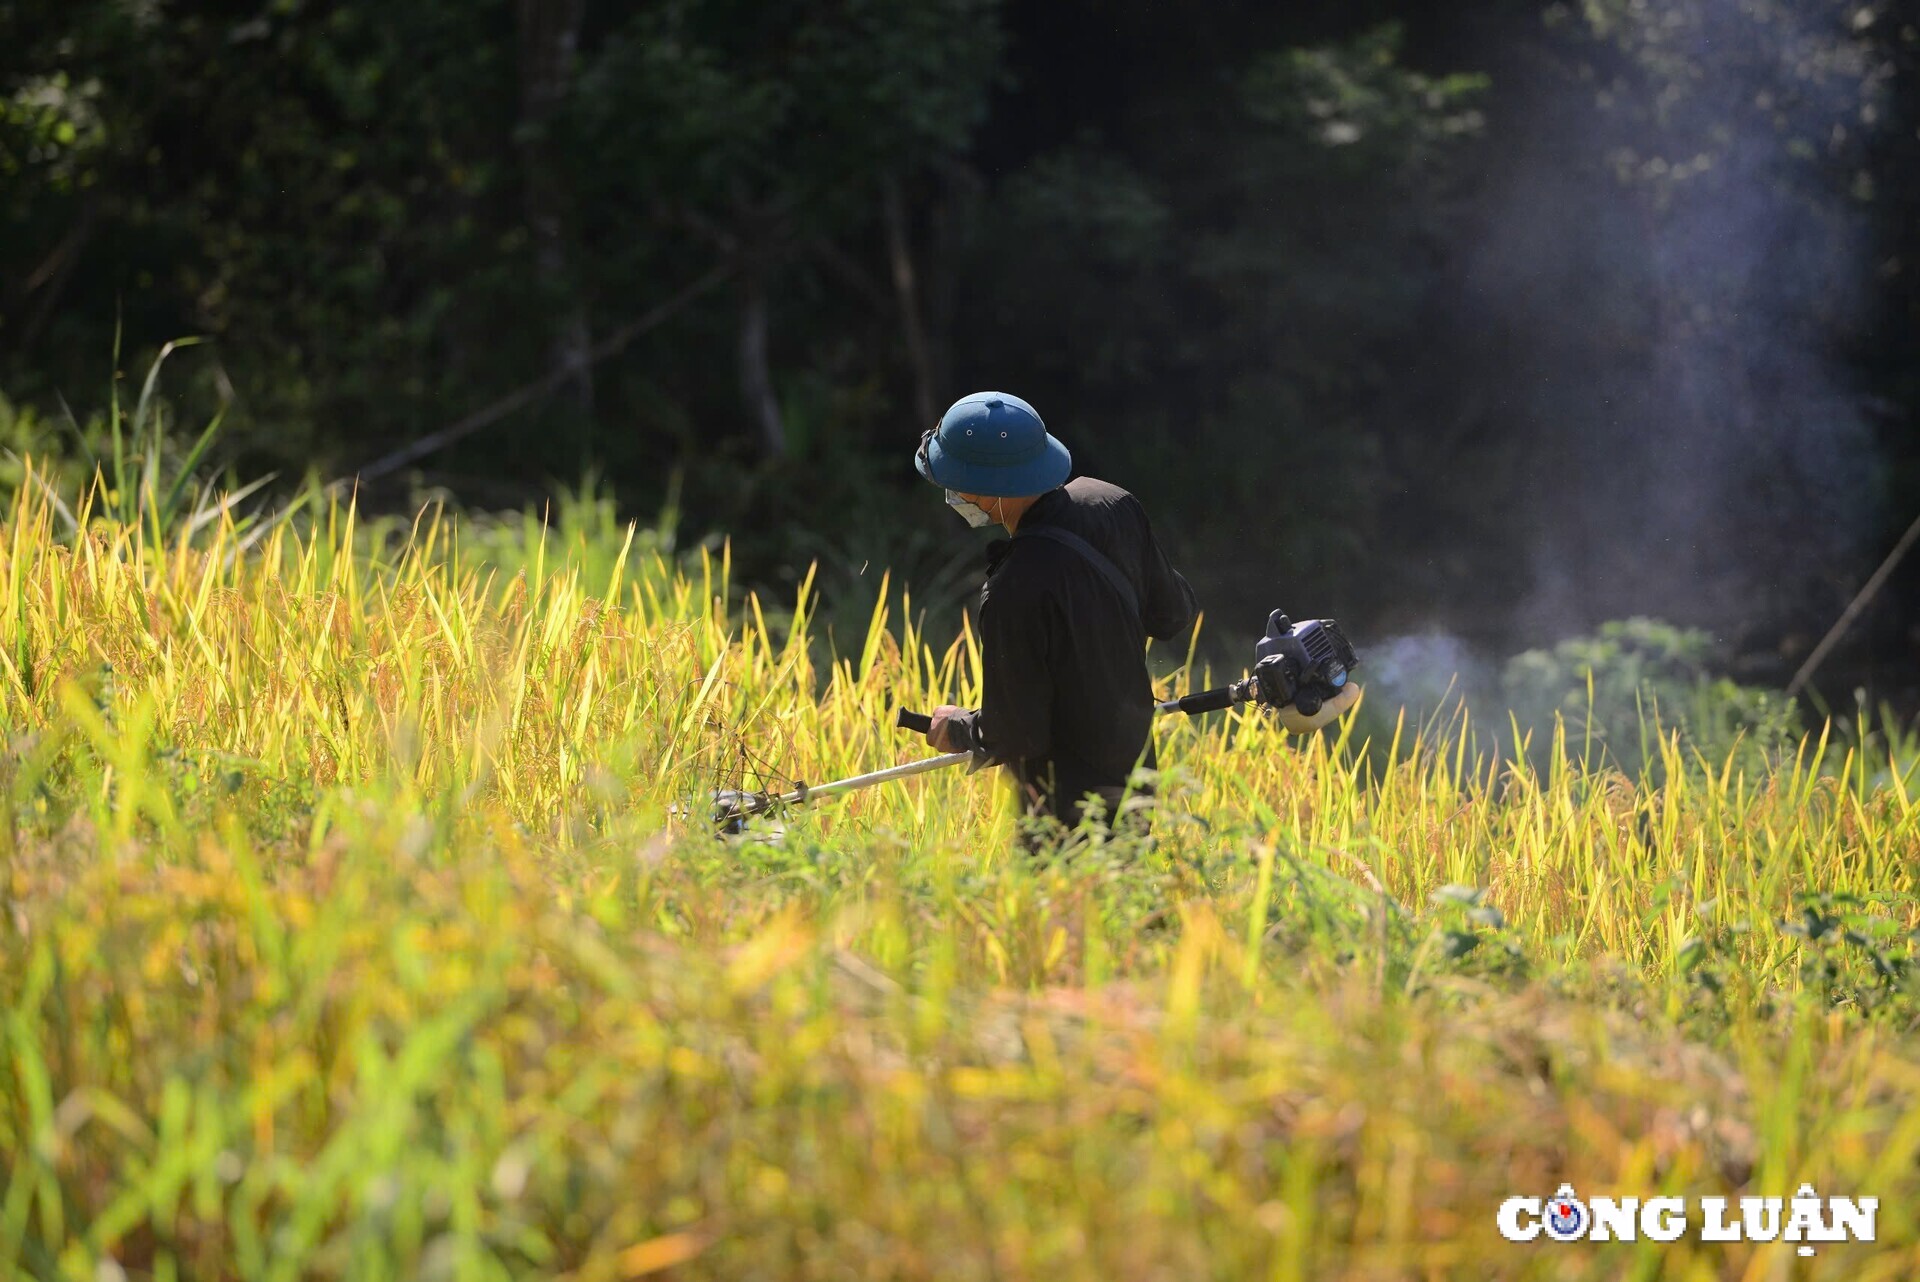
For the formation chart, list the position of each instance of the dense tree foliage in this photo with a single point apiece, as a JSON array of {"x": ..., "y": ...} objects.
[{"x": 1506, "y": 318}]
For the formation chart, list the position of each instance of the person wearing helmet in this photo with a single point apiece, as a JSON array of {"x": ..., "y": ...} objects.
[{"x": 1065, "y": 613}]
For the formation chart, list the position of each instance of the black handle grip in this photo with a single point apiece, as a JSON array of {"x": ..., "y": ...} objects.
[
  {"x": 1207, "y": 701},
  {"x": 918, "y": 722}
]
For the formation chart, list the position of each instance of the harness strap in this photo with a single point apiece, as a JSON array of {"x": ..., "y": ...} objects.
[{"x": 1093, "y": 556}]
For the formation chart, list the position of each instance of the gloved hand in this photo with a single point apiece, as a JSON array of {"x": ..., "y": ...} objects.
[
  {"x": 949, "y": 731},
  {"x": 1299, "y": 723}
]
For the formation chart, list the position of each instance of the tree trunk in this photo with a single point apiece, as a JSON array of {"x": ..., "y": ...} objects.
[
  {"x": 549, "y": 41},
  {"x": 756, "y": 377},
  {"x": 906, "y": 293}
]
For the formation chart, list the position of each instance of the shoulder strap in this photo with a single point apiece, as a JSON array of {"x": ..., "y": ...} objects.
[{"x": 1093, "y": 556}]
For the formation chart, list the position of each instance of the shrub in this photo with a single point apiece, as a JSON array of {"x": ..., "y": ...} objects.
[{"x": 1635, "y": 680}]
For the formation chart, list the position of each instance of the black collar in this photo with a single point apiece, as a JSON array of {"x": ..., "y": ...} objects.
[
  {"x": 1045, "y": 511},
  {"x": 1047, "y": 508}
]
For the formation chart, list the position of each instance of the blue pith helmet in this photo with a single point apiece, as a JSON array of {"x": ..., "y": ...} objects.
[{"x": 993, "y": 444}]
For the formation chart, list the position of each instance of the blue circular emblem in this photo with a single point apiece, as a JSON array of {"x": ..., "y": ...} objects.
[{"x": 1566, "y": 1215}]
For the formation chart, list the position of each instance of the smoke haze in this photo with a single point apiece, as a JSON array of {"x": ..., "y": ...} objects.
[{"x": 1663, "y": 280}]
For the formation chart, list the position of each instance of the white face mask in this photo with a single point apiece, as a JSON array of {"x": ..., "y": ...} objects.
[{"x": 971, "y": 513}]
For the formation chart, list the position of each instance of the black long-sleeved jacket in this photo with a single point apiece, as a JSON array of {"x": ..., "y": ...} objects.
[{"x": 1067, "y": 702}]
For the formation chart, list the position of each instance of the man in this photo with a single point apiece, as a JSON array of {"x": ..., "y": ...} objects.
[{"x": 1065, "y": 613}]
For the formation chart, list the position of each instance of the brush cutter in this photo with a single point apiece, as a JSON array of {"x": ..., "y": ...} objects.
[{"x": 1297, "y": 664}]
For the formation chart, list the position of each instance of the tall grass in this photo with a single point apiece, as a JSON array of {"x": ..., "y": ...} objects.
[{"x": 350, "y": 926}]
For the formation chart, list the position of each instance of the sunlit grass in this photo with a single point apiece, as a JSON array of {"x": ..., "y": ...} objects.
[{"x": 348, "y": 929}]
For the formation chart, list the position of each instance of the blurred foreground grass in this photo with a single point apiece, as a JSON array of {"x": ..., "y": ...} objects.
[{"x": 346, "y": 930}]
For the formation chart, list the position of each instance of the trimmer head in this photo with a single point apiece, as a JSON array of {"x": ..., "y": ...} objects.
[
  {"x": 730, "y": 812},
  {"x": 732, "y": 808}
]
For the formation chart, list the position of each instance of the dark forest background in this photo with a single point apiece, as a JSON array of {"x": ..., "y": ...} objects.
[{"x": 1498, "y": 319}]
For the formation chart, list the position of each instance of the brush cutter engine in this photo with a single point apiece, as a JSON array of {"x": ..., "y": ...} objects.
[
  {"x": 1303, "y": 664},
  {"x": 1295, "y": 664}
]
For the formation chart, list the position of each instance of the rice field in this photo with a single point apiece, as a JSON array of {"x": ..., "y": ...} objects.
[{"x": 359, "y": 919}]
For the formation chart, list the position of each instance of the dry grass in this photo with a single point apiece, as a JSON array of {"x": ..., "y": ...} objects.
[{"x": 346, "y": 931}]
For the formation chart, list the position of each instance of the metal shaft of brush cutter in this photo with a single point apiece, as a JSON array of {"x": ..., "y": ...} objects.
[
  {"x": 730, "y": 808},
  {"x": 888, "y": 775}
]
